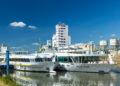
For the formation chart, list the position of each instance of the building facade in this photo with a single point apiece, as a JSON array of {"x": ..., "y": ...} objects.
[
  {"x": 61, "y": 37},
  {"x": 115, "y": 43}
]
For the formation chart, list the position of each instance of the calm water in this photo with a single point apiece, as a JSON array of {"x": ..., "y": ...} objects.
[{"x": 65, "y": 79}]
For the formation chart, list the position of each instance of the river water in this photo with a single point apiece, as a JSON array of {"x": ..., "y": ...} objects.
[{"x": 65, "y": 79}]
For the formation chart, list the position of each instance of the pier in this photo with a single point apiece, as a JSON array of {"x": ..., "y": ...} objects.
[{"x": 6, "y": 66}]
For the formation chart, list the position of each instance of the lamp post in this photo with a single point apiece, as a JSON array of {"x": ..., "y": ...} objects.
[{"x": 7, "y": 62}]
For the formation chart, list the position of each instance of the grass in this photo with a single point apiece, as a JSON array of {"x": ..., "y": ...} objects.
[{"x": 8, "y": 81}]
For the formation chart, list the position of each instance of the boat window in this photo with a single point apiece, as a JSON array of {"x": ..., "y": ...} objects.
[
  {"x": 76, "y": 59},
  {"x": 56, "y": 59},
  {"x": 22, "y": 60},
  {"x": 65, "y": 59},
  {"x": 62, "y": 59},
  {"x": 46, "y": 59},
  {"x": 1, "y": 59},
  {"x": 49, "y": 59},
  {"x": 38, "y": 60},
  {"x": 70, "y": 60},
  {"x": 15, "y": 59},
  {"x": 27, "y": 60},
  {"x": 32, "y": 60}
]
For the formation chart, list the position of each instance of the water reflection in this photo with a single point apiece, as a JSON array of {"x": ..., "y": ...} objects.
[
  {"x": 65, "y": 79},
  {"x": 32, "y": 78}
]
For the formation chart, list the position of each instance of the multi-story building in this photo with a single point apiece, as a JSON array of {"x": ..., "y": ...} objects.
[{"x": 61, "y": 37}]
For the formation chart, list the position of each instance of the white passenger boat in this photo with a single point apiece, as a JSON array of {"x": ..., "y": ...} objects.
[
  {"x": 33, "y": 62},
  {"x": 84, "y": 62}
]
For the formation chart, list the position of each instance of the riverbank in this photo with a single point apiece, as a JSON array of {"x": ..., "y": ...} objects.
[{"x": 7, "y": 81}]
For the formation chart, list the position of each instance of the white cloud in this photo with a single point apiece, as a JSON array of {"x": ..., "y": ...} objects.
[
  {"x": 35, "y": 43},
  {"x": 113, "y": 35},
  {"x": 18, "y": 24},
  {"x": 32, "y": 27}
]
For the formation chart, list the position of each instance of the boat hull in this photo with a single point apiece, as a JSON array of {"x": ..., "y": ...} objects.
[
  {"x": 36, "y": 67},
  {"x": 76, "y": 67}
]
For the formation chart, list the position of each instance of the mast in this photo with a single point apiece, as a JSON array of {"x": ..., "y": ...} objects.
[
  {"x": 40, "y": 49},
  {"x": 91, "y": 47}
]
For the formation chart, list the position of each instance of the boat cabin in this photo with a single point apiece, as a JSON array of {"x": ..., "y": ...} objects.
[{"x": 81, "y": 59}]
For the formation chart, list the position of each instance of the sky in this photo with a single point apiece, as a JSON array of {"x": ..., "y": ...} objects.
[{"x": 22, "y": 22}]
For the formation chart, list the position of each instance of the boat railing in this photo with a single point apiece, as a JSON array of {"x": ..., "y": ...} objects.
[{"x": 100, "y": 62}]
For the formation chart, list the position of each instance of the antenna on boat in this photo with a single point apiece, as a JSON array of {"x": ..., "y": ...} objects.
[{"x": 40, "y": 49}]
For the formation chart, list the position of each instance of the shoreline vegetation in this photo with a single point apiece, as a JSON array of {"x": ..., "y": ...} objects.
[
  {"x": 7, "y": 81},
  {"x": 116, "y": 59}
]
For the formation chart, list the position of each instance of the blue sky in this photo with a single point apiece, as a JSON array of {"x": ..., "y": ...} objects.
[{"x": 23, "y": 21}]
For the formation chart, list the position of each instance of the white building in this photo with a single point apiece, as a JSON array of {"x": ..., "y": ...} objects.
[
  {"x": 104, "y": 44},
  {"x": 49, "y": 43},
  {"x": 115, "y": 46},
  {"x": 61, "y": 37},
  {"x": 115, "y": 43},
  {"x": 4, "y": 48},
  {"x": 47, "y": 46}
]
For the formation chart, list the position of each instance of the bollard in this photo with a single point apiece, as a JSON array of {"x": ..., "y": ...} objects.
[{"x": 7, "y": 60}]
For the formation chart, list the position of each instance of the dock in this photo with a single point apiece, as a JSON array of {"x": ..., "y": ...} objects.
[{"x": 4, "y": 67}]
